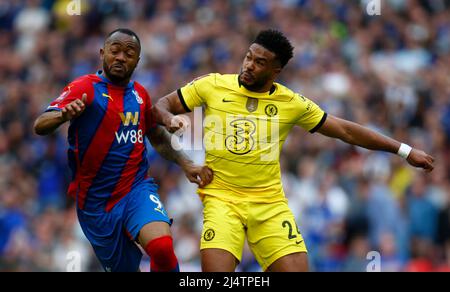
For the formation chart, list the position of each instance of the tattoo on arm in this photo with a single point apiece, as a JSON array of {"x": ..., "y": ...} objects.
[{"x": 161, "y": 141}]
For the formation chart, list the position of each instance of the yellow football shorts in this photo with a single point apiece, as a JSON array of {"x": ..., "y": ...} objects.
[{"x": 270, "y": 228}]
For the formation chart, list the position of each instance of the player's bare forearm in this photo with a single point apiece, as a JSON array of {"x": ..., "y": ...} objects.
[
  {"x": 356, "y": 134},
  {"x": 48, "y": 122},
  {"x": 161, "y": 112},
  {"x": 161, "y": 140},
  {"x": 165, "y": 111}
]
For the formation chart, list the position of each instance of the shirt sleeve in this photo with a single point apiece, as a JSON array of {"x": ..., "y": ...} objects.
[
  {"x": 311, "y": 116},
  {"x": 71, "y": 92},
  {"x": 195, "y": 93}
]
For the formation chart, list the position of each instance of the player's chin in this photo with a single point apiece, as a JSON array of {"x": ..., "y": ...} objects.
[
  {"x": 245, "y": 82},
  {"x": 118, "y": 76}
]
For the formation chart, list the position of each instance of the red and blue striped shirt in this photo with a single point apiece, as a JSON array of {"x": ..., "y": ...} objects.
[{"x": 107, "y": 153}]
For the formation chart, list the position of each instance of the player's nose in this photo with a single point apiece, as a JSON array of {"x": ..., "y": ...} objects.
[
  {"x": 249, "y": 66},
  {"x": 121, "y": 57}
]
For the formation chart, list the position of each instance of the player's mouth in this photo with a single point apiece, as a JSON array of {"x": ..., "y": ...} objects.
[
  {"x": 118, "y": 68},
  {"x": 247, "y": 77}
]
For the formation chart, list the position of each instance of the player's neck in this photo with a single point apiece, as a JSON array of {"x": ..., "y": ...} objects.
[
  {"x": 266, "y": 88},
  {"x": 269, "y": 87},
  {"x": 122, "y": 83}
]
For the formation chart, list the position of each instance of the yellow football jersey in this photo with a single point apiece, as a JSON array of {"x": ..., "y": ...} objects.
[{"x": 244, "y": 132}]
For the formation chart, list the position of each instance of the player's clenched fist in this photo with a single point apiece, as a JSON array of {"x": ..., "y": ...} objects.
[
  {"x": 177, "y": 123},
  {"x": 74, "y": 109},
  {"x": 201, "y": 175}
]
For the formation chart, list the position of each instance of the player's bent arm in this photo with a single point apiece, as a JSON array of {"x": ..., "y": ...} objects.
[
  {"x": 356, "y": 134},
  {"x": 166, "y": 108},
  {"x": 161, "y": 140},
  {"x": 48, "y": 122}
]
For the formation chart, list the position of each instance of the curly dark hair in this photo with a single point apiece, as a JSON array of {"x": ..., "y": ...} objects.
[{"x": 277, "y": 43}]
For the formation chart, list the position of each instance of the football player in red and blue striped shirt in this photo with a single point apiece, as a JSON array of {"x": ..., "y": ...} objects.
[{"x": 117, "y": 204}]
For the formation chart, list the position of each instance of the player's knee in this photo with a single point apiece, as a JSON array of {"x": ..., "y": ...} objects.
[{"x": 162, "y": 255}]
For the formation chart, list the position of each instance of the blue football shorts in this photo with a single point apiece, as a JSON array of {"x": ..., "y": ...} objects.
[{"x": 113, "y": 234}]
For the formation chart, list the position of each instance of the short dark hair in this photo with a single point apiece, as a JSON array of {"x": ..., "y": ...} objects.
[
  {"x": 125, "y": 31},
  {"x": 275, "y": 41}
]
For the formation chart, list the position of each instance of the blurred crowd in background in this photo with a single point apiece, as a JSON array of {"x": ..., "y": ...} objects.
[{"x": 390, "y": 72}]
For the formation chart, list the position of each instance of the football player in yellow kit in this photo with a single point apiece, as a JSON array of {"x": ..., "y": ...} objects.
[{"x": 247, "y": 119}]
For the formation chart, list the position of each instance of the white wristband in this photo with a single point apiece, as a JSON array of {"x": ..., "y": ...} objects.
[{"x": 404, "y": 150}]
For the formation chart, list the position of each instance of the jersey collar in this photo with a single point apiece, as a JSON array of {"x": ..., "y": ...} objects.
[
  {"x": 106, "y": 80},
  {"x": 249, "y": 93}
]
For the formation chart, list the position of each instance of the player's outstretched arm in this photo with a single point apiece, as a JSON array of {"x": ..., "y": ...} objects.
[
  {"x": 48, "y": 122},
  {"x": 356, "y": 134},
  {"x": 162, "y": 142},
  {"x": 165, "y": 112}
]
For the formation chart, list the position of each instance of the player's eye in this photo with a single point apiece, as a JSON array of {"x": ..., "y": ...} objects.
[{"x": 114, "y": 49}]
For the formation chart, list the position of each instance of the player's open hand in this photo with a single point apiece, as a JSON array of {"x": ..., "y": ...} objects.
[
  {"x": 201, "y": 175},
  {"x": 419, "y": 158},
  {"x": 74, "y": 109}
]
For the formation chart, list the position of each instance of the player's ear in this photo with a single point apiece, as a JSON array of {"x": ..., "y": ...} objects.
[
  {"x": 276, "y": 66},
  {"x": 102, "y": 53}
]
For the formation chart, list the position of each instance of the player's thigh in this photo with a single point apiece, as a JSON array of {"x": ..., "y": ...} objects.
[
  {"x": 218, "y": 260},
  {"x": 115, "y": 250},
  {"x": 118, "y": 255},
  {"x": 223, "y": 230},
  {"x": 295, "y": 262},
  {"x": 146, "y": 218},
  {"x": 273, "y": 234}
]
